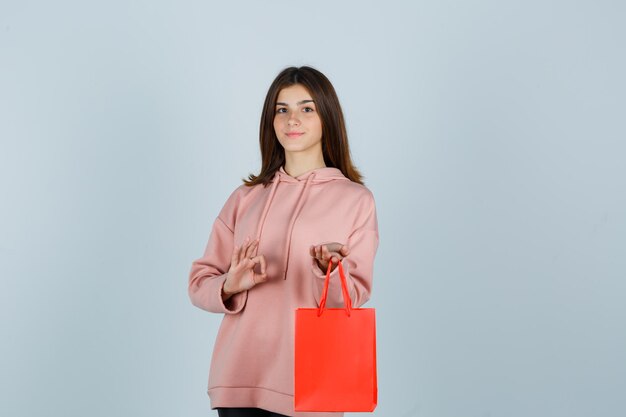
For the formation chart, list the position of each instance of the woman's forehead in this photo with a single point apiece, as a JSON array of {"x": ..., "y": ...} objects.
[{"x": 293, "y": 94}]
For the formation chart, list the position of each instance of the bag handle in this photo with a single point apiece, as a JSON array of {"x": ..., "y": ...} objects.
[{"x": 344, "y": 289}]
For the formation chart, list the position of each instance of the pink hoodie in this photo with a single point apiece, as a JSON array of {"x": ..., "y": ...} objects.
[{"x": 253, "y": 357}]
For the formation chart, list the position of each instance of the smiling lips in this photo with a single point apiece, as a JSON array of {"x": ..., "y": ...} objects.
[{"x": 295, "y": 134}]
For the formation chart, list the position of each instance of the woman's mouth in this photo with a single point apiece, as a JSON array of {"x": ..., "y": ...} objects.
[{"x": 295, "y": 134}]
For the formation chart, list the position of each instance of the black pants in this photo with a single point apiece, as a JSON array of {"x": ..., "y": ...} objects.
[{"x": 246, "y": 412}]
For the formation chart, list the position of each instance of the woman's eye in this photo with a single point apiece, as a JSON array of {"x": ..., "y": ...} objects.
[
  {"x": 308, "y": 109},
  {"x": 281, "y": 110}
]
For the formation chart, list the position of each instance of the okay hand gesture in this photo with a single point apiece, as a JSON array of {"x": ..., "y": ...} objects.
[{"x": 241, "y": 275}]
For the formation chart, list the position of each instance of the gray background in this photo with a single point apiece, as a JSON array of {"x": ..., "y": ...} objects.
[{"x": 491, "y": 133}]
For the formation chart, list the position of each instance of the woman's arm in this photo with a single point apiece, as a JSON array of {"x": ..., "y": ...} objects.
[
  {"x": 208, "y": 274},
  {"x": 358, "y": 261}
]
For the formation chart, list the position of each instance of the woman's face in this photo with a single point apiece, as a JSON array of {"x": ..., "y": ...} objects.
[{"x": 296, "y": 121}]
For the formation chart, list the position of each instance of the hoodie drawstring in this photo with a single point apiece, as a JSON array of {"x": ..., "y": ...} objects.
[
  {"x": 267, "y": 207},
  {"x": 300, "y": 202},
  {"x": 296, "y": 211}
]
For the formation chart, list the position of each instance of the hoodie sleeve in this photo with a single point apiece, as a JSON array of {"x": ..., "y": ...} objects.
[
  {"x": 358, "y": 266},
  {"x": 208, "y": 273}
]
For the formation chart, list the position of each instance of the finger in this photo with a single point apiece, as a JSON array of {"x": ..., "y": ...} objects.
[
  {"x": 244, "y": 246},
  {"x": 326, "y": 255},
  {"x": 260, "y": 259},
  {"x": 339, "y": 255},
  {"x": 250, "y": 248},
  {"x": 255, "y": 249},
  {"x": 323, "y": 266},
  {"x": 312, "y": 250},
  {"x": 333, "y": 246},
  {"x": 329, "y": 257},
  {"x": 248, "y": 263},
  {"x": 234, "y": 260},
  {"x": 333, "y": 257},
  {"x": 345, "y": 250},
  {"x": 259, "y": 278}
]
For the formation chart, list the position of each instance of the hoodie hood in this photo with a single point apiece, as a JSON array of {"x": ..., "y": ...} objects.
[
  {"x": 319, "y": 175},
  {"x": 305, "y": 182}
]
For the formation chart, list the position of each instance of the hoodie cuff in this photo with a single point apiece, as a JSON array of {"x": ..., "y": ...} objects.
[{"x": 235, "y": 303}]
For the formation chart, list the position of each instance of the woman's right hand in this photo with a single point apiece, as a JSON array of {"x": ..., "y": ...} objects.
[{"x": 241, "y": 275}]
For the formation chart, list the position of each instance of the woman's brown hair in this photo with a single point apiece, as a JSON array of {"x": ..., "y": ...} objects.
[{"x": 334, "y": 136}]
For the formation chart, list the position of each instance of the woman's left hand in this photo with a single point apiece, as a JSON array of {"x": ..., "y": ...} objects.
[{"x": 326, "y": 252}]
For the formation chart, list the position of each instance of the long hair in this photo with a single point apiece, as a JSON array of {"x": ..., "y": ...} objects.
[{"x": 334, "y": 136}]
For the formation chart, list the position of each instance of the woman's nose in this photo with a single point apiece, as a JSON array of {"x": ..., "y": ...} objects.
[{"x": 293, "y": 120}]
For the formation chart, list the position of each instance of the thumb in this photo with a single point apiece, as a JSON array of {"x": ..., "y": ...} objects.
[{"x": 259, "y": 278}]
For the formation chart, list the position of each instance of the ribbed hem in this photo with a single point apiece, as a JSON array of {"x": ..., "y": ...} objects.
[{"x": 256, "y": 397}]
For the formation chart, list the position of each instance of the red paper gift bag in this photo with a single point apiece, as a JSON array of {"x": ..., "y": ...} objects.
[{"x": 335, "y": 356}]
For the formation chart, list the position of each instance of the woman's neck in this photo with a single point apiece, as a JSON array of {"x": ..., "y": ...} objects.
[{"x": 297, "y": 164}]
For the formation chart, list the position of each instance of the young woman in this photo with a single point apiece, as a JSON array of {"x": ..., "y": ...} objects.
[{"x": 270, "y": 246}]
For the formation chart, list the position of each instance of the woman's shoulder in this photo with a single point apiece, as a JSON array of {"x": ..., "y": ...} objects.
[
  {"x": 236, "y": 199},
  {"x": 243, "y": 190},
  {"x": 354, "y": 190},
  {"x": 352, "y": 194}
]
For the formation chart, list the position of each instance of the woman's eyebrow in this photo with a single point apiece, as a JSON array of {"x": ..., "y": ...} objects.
[{"x": 297, "y": 104}]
